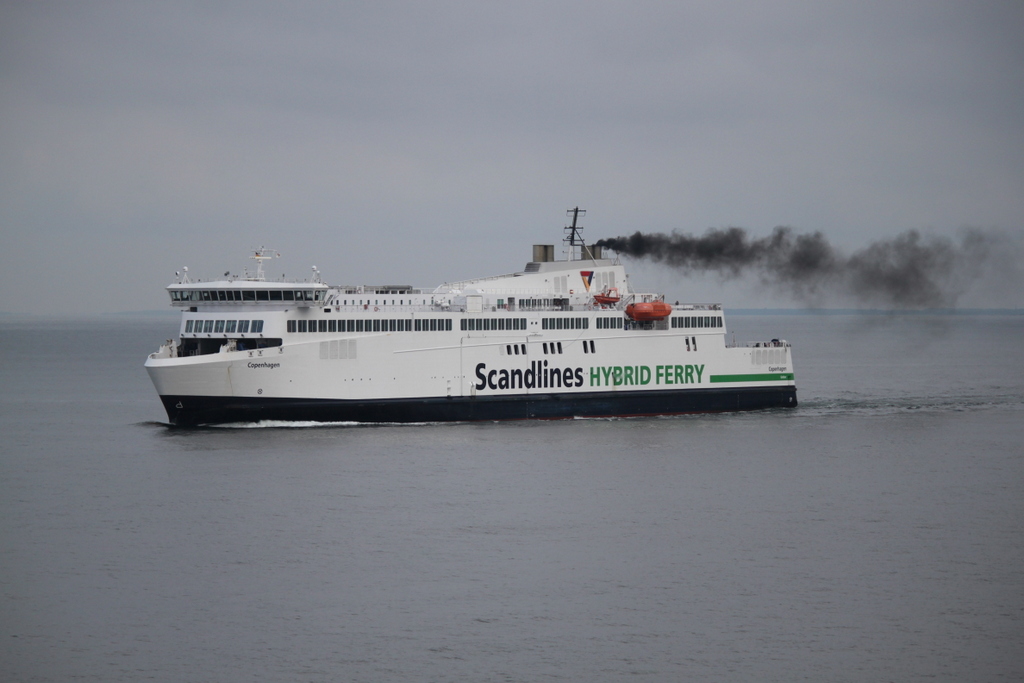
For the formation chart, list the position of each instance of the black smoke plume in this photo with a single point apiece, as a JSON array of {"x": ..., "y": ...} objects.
[{"x": 907, "y": 271}]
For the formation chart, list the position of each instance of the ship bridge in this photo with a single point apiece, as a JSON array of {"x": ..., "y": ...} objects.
[
  {"x": 251, "y": 288},
  {"x": 228, "y": 292}
]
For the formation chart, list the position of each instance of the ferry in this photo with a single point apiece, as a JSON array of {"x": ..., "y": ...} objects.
[{"x": 566, "y": 338}]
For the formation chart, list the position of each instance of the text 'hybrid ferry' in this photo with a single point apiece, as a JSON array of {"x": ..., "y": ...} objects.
[{"x": 559, "y": 339}]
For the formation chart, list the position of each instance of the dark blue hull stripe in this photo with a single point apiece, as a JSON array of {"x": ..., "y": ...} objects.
[{"x": 200, "y": 410}]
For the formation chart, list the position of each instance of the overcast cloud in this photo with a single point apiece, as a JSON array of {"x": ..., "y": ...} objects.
[{"x": 414, "y": 142}]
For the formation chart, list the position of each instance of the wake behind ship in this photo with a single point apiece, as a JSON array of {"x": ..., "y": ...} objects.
[{"x": 559, "y": 339}]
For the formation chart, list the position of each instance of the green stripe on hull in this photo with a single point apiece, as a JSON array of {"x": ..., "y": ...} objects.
[{"x": 766, "y": 377}]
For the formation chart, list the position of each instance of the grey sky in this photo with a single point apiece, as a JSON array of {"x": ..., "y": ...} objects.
[{"x": 414, "y": 142}]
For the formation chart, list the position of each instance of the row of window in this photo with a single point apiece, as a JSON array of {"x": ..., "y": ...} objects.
[
  {"x": 379, "y": 302},
  {"x": 542, "y": 303},
  {"x": 223, "y": 326},
  {"x": 549, "y": 348},
  {"x": 556, "y": 347},
  {"x": 247, "y": 294},
  {"x": 427, "y": 325},
  {"x": 492, "y": 324},
  {"x": 375, "y": 325},
  {"x": 565, "y": 323},
  {"x": 697, "y": 321},
  {"x": 609, "y": 323}
]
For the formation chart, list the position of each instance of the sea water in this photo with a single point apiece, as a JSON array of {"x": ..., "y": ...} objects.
[{"x": 874, "y": 533}]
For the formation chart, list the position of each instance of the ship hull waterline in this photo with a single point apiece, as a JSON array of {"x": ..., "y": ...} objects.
[{"x": 184, "y": 411}]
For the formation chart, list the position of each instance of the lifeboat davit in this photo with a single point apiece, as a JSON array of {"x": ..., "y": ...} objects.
[
  {"x": 653, "y": 310},
  {"x": 608, "y": 297}
]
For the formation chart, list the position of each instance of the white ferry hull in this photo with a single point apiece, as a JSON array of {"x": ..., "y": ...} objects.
[{"x": 456, "y": 377}]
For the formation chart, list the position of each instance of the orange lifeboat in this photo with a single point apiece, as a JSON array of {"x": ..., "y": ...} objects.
[
  {"x": 608, "y": 297},
  {"x": 653, "y": 310}
]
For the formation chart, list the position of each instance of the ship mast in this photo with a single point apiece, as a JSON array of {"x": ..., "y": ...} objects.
[
  {"x": 262, "y": 254},
  {"x": 573, "y": 230}
]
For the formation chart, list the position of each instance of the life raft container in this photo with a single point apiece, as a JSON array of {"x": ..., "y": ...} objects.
[{"x": 653, "y": 310}]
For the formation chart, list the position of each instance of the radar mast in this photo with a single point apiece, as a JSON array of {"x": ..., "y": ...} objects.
[
  {"x": 260, "y": 255},
  {"x": 574, "y": 237}
]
